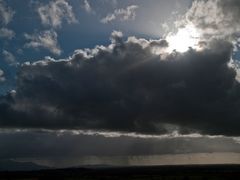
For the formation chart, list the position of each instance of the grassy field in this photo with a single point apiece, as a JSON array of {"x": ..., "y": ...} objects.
[{"x": 198, "y": 172}]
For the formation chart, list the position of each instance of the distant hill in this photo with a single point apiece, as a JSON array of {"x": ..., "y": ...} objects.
[
  {"x": 176, "y": 172},
  {"x": 10, "y": 165}
]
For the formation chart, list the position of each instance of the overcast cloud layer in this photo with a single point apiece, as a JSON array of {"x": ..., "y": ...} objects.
[{"x": 56, "y": 144}]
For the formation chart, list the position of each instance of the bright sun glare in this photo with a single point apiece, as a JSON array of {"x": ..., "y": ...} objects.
[{"x": 184, "y": 38}]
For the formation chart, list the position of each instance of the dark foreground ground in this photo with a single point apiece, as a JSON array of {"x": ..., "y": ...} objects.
[{"x": 196, "y": 172}]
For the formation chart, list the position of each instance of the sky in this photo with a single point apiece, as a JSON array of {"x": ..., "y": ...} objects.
[{"x": 120, "y": 82}]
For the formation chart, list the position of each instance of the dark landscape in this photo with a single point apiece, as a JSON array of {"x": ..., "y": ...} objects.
[{"x": 176, "y": 172}]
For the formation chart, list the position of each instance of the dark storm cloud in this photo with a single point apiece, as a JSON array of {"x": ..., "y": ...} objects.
[{"x": 129, "y": 87}]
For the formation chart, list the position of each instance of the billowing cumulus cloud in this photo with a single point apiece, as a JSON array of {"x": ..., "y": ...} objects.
[
  {"x": 129, "y": 86},
  {"x": 55, "y": 12},
  {"x": 129, "y": 13},
  {"x": 45, "y": 39}
]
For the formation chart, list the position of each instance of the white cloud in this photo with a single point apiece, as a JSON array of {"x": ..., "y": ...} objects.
[
  {"x": 87, "y": 7},
  {"x": 116, "y": 134},
  {"x": 215, "y": 18},
  {"x": 116, "y": 36},
  {"x": 9, "y": 57},
  {"x": 129, "y": 13},
  {"x": 2, "y": 78},
  {"x": 55, "y": 12},
  {"x": 6, "y": 13},
  {"x": 45, "y": 39},
  {"x": 6, "y": 33}
]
